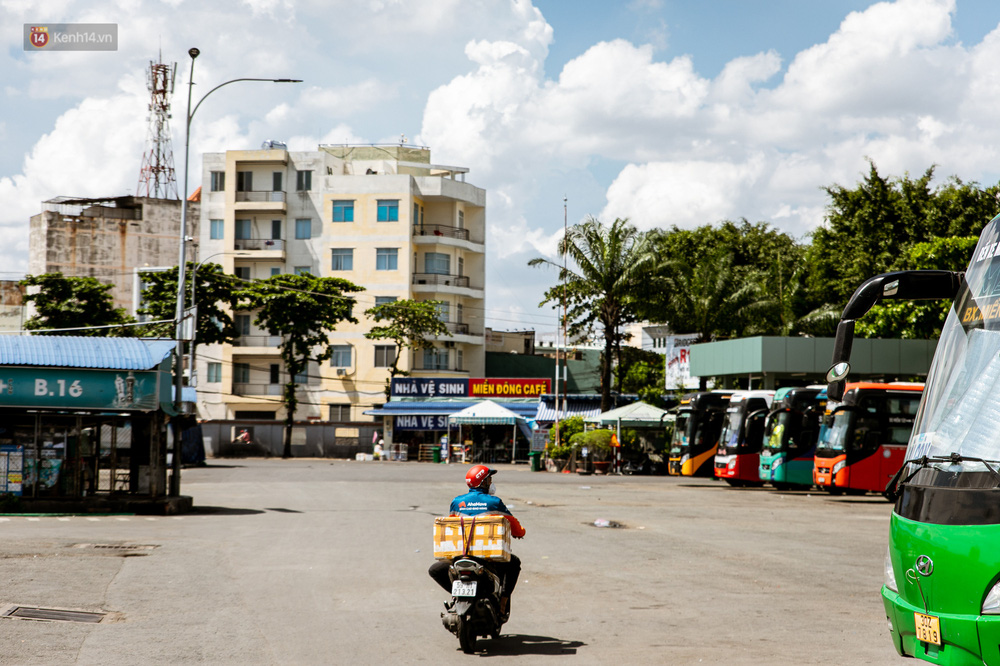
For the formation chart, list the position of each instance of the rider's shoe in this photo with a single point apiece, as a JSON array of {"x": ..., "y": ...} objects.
[{"x": 504, "y": 608}]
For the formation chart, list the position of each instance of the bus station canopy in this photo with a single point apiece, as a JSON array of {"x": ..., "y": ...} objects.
[{"x": 637, "y": 415}]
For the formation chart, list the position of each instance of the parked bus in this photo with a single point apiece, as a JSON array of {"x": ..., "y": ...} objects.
[
  {"x": 790, "y": 434},
  {"x": 696, "y": 432},
  {"x": 738, "y": 459},
  {"x": 941, "y": 589},
  {"x": 863, "y": 441}
]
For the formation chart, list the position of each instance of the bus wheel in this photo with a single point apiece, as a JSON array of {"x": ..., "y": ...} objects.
[
  {"x": 782, "y": 486},
  {"x": 855, "y": 491},
  {"x": 834, "y": 490},
  {"x": 735, "y": 483}
]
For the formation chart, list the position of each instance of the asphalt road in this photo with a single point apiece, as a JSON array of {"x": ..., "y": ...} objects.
[{"x": 324, "y": 562}]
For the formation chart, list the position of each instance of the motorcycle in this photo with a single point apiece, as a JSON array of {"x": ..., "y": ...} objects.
[{"x": 474, "y": 609}]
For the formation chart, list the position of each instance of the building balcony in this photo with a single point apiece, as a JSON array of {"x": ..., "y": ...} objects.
[
  {"x": 444, "y": 280},
  {"x": 240, "y": 388},
  {"x": 262, "y": 200},
  {"x": 446, "y": 234},
  {"x": 267, "y": 341},
  {"x": 261, "y": 248}
]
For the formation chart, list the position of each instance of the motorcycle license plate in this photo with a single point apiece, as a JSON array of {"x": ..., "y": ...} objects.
[
  {"x": 928, "y": 628},
  {"x": 461, "y": 588}
]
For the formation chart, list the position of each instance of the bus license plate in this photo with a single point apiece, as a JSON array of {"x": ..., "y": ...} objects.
[
  {"x": 928, "y": 628},
  {"x": 462, "y": 589}
]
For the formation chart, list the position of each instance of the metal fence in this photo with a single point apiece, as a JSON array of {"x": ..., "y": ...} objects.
[{"x": 309, "y": 440}]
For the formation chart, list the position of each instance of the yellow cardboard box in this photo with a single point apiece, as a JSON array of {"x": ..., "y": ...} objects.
[{"x": 488, "y": 537}]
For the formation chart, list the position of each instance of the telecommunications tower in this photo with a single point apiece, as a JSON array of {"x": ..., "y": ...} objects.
[{"x": 156, "y": 177}]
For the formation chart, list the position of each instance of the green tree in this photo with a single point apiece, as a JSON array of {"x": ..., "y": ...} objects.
[
  {"x": 409, "y": 324},
  {"x": 918, "y": 319},
  {"x": 601, "y": 291},
  {"x": 301, "y": 309},
  {"x": 81, "y": 303},
  {"x": 215, "y": 295}
]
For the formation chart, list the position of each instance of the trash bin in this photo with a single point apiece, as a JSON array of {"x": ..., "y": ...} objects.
[
  {"x": 436, "y": 454},
  {"x": 536, "y": 461}
]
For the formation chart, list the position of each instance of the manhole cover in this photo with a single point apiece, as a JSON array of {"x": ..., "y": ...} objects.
[{"x": 52, "y": 614}]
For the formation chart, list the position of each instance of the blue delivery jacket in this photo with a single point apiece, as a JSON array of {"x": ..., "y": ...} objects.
[{"x": 476, "y": 502}]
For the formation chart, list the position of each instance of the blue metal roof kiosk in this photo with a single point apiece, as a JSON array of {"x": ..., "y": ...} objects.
[{"x": 83, "y": 425}]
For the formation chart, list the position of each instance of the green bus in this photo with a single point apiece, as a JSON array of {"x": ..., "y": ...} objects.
[
  {"x": 790, "y": 434},
  {"x": 942, "y": 568}
]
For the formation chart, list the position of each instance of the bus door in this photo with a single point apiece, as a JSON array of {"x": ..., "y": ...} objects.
[{"x": 901, "y": 408}]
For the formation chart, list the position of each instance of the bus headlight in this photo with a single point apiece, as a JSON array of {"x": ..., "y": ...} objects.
[
  {"x": 992, "y": 604},
  {"x": 890, "y": 574},
  {"x": 776, "y": 462},
  {"x": 839, "y": 465},
  {"x": 685, "y": 458}
]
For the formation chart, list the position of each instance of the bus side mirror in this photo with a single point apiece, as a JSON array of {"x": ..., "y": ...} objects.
[{"x": 898, "y": 285}]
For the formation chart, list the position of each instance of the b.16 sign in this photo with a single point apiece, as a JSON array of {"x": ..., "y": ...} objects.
[{"x": 61, "y": 388}]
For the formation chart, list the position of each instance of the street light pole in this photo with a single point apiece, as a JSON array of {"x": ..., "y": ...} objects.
[{"x": 175, "y": 477}]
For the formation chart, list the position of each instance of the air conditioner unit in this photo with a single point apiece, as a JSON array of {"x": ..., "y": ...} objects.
[
  {"x": 341, "y": 372},
  {"x": 449, "y": 344}
]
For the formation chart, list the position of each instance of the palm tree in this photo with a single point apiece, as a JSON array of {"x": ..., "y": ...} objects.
[{"x": 610, "y": 264}]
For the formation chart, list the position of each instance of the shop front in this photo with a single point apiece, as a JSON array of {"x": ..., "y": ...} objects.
[
  {"x": 83, "y": 424},
  {"x": 416, "y": 420}
]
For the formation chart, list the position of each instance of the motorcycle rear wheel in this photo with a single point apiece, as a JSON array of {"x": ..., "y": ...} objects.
[{"x": 466, "y": 636}]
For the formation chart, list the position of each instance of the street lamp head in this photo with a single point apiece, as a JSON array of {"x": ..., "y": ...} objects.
[
  {"x": 193, "y": 53},
  {"x": 287, "y": 80}
]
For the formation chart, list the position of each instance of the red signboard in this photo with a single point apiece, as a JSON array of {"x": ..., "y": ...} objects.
[{"x": 508, "y": 388}]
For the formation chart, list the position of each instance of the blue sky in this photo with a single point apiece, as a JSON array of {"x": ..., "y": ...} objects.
[{"x": 669, "y": 112}]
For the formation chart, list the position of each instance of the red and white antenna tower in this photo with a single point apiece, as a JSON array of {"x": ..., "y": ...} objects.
[{"x": 156, "y": 177}]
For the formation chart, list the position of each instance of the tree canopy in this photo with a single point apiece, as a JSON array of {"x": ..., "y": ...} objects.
[
  {"x": 609, "y": 264},
  {"x": 83, "y": 304},
  {"x": 301, "y": 309},
  {"x": 215, "y": 295}
]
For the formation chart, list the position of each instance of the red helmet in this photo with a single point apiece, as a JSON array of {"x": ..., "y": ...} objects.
[{"x": 477, "y": 474}]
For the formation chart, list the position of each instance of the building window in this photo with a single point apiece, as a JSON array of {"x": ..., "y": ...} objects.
[
  {"x": 459, "y": 360},
  {"x": 275, "y": 270},
  {"x": 241, "y": 373},
  {"x": 341, "y": 356},
  {"x": 275, "y": 373},
  {"x": 382, "y": 300},
  {"x": 244, "y": 181},
  {"x": 416, "y": 214},
  {"x": 386, "y": 258},
  {"x": 443, "y": 311},
  {"x": 218, "y": 181},
  {"x": 459, "y": 313},
  {"x": 340, "y": 412},
  {"x": 303, "y": 229},
  {"x": 388, "y": 210},
  {"x": 343, "y": 259},
  {"x": 461, "y": 219},
  {"x": 303, "y": 181},
  {"x": 301, "y": 377},
  {"x": 343, "y": 211},
  {"x": 242, "y": 229},
  {"x": 242, "y": 323},
  {"x": 435, "y": 359},
  {"x": 214, "y": 373},
  {"x": 276, "y": 229},
  {"x": 437, "y": 263},
  {"x": 215, "y": 228},
  {"x": 276, "y": 179},
  {"x": 242, "y": 272},
  {"x": 384, "y": 355},
  {"x": 303, "y": 270},
  {"x": 461, "y": 265}
]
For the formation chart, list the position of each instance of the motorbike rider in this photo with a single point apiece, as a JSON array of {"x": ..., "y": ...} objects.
[{"x": 480, "y": 499}]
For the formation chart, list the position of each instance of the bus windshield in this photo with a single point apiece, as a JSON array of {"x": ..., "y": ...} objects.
[
  {"x": 833, "y": 436},
  {"x": 731, "y": 427},
  {"x": 681, "y": 434},
  {"x": 780, "y": 430}
]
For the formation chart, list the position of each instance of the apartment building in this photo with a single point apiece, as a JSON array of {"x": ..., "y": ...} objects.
[{"x": 383, "y": 217}]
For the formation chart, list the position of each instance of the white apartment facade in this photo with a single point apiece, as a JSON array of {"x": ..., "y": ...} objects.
[{"x": 382, "y": 217}]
